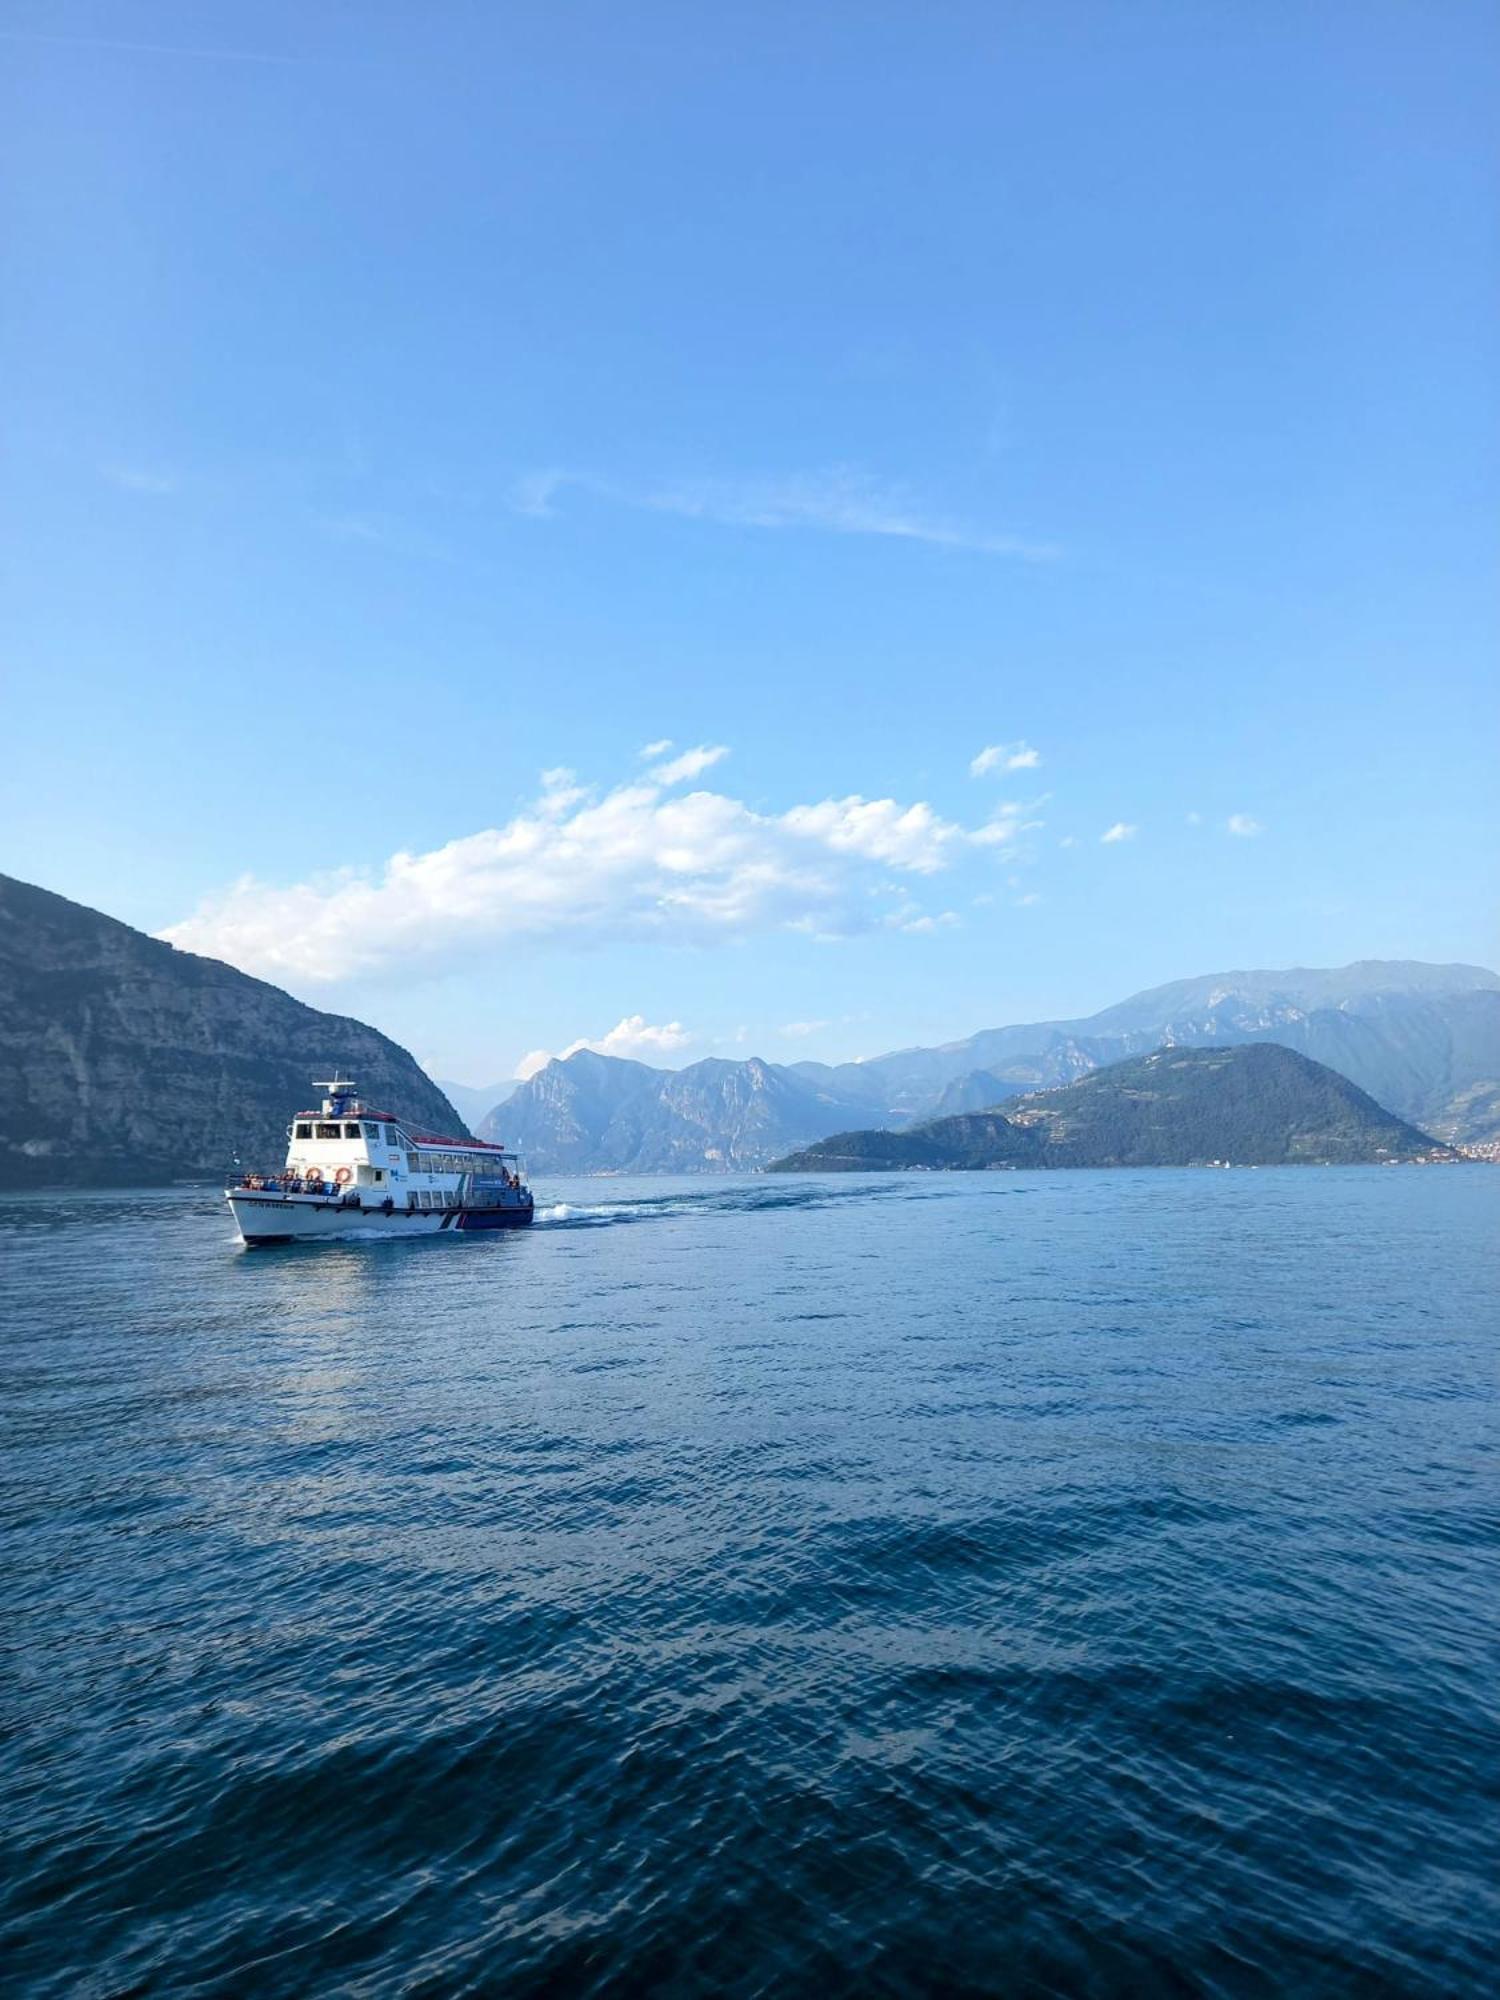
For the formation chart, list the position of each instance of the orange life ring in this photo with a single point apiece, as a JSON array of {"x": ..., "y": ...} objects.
[{"x": 343, "y": 1176}]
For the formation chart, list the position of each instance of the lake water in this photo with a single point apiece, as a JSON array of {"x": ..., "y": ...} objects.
[{"x": 1073, "y": 1583}]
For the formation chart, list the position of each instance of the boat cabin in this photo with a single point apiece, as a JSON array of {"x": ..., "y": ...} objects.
[{"x": 354, "y": 1146}]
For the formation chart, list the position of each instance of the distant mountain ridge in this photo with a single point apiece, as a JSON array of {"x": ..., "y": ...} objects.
[
  {"x": 124, "y": 1061},
  {"x": 1258, "y": 1104},
  {"x": 604, "y": 1114},
  {"x": 1411, "y": 1034},
  {"x": 1422, "y": 1040}
]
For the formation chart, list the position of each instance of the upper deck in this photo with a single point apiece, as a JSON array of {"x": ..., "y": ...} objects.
[{"x": 362, "y": 1146}]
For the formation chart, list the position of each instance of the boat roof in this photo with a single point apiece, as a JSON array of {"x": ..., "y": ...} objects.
[
  {"x": 365, "y": 1111},
  {"x": 462, "y": 1145}
]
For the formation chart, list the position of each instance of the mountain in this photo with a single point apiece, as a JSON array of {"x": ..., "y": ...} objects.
[
  {"x": 1255, "y": 1105},
  {"x": 602, "y": 1114},
  {"x": 1423, "y": 1039},
  {"x": 125, "y": 1061}
]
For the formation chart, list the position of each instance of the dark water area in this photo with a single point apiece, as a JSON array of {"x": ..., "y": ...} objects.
[{"x": 1072, "y": 1584}]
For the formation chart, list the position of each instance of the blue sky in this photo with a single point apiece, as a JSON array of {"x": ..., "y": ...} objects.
[{"x": 405, "y": 402}]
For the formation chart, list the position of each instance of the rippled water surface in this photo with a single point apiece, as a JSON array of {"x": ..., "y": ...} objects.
[{"x": 1073, "y": 1583}]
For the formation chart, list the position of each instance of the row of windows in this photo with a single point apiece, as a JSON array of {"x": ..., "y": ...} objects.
[
  {"x": 439, "y": 1200},
  {"x": 373, "y": 1135},
  {"x": 445, "y": 1163}
]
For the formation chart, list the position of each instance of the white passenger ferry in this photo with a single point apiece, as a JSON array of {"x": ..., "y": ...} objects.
[{"x": 351, "y": 1170}]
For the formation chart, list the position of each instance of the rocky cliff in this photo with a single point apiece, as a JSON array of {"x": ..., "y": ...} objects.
[{"x": 125, "y": 1061}]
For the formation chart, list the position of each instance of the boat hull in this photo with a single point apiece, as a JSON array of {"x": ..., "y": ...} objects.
[{"x": 265, "y": 1219}]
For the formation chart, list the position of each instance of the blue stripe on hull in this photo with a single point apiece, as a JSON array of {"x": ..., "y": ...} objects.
[{"x": 494, "y": 1218}]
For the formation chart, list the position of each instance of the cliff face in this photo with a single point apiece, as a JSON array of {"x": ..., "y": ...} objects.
[{"x": 124, "y": 1061}]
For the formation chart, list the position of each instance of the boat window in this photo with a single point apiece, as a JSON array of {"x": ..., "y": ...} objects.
[
  {"x": 351, "y": 1131},
  {"x": 304, "y": 1132},
  {"x": 380, "y": 1173},
  {"x": 329, "y": 1132},
  {"x": 393, "y": 1137},
  {"x": 411, "y": 1163},
  {"x": 372, "y": 1134}
]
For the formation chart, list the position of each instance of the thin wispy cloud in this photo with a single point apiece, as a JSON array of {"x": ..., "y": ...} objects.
[
  {"x": 1004, "y": 757},
  {"x": 1121, "y": 830},
  {"x": 579, "y": 867},
  {"x": 691, "y": 764},
  {"x": 380, "y": 531},
  {"x": 658, "y": 749},
  {"x": 839, "y": 501},
  {"x": 1242, "y": 826},
  {"x": 149, "y": 479}
]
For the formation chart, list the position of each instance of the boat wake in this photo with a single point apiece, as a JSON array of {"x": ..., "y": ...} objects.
[{"x": 733, "y": 1200}]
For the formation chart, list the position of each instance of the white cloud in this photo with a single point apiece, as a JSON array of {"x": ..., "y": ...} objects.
[
  {"x": 840, "y": 500},
  {"x": 634, "y": 1036},
  {"x": 1195, "y": 819},
  {"x": 1006, "y": 824},
  {"x": 797, "y": 1030},
  {"x": 1068, "y": 840},
  {"x": 1004, "y": 757},
  {"x": 909, "y": 837},
  {"x": 1243, "y": 826},
  {"x": 691, "y": 764},
  {"x": 1119, "y": 831},
  {"x": 580, "y": 867},
  {"x": 657, "y": 749}
]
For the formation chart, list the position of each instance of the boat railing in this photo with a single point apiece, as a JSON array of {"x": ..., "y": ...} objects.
[
  {"x": 289, "y": 1184},
  {"x": 503, "y": 1190}
]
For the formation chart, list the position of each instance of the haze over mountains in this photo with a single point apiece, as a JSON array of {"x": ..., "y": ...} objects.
[{"x": 1422, "y": 1040}]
